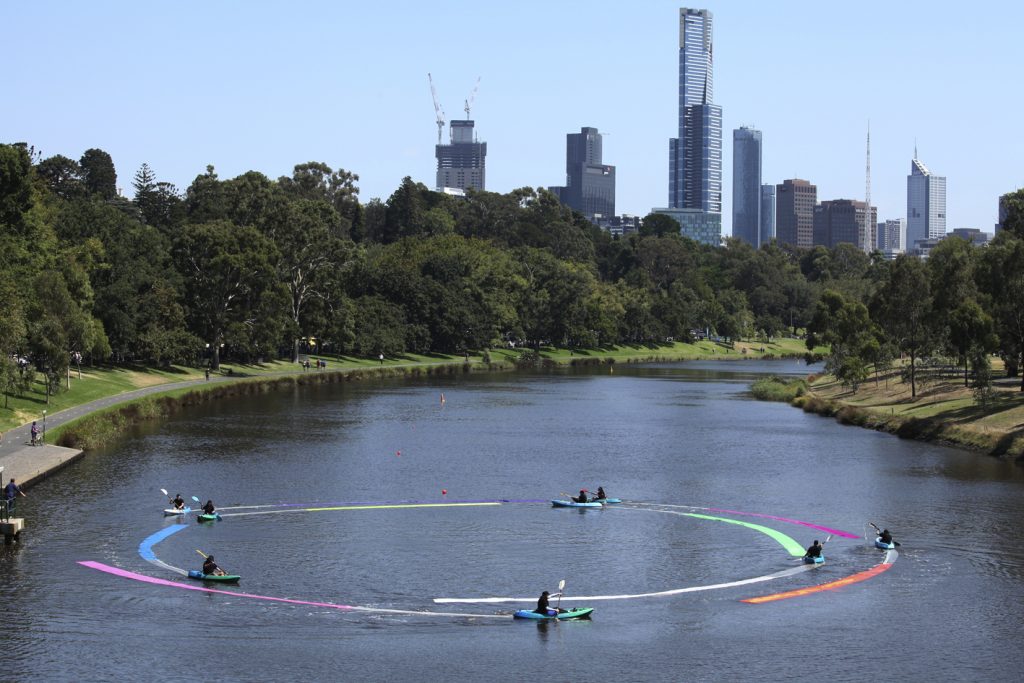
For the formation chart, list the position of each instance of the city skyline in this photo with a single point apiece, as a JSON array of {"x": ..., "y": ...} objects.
[{"x": 264, "y": 89}]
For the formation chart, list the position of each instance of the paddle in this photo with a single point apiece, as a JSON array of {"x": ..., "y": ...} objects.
[{"x": 561, "y": 585}]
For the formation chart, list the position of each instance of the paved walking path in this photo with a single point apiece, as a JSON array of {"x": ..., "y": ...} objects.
[{"x": 28, "y": 463}]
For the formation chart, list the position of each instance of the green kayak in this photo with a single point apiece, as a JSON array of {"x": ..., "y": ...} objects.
[
  {"x": 575, "y": 613},
  {"x": 223, "y": 578}
]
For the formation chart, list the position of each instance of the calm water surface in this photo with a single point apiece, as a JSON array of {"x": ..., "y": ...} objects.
[{"x": 687, "y": 434}]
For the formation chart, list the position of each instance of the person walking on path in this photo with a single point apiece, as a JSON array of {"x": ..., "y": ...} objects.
[
  {"x": 12, "y": 491},
  {"x": 35, "y": 433},
  {"x": 382, "y": 359}
]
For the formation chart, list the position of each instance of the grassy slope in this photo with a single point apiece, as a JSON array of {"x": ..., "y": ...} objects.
[{"x": 943, "y": 409}]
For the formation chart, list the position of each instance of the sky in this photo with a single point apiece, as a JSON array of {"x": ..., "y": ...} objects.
[{"x": 267, "y": 85}]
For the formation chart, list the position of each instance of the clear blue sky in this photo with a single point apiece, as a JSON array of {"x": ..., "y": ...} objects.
[{"x": 264, "y": 86}]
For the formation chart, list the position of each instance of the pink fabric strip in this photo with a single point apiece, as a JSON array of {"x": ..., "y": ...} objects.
[{"x": 837, "y": 532}]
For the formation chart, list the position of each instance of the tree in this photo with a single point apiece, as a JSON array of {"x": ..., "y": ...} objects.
[
  {"x": 1014, "y": 220},
  {"x": 98, "y": 173},
  {"x": 15, "y": 185},
  {"x": 63, "y": 176},
  {"x": 658, "y": 225},
  {"x": 227, "y": 269},
  {"x": 1002, "y": 279},
  {"x": 903, "y": 306},
  {"x": 971, "y": 333}
]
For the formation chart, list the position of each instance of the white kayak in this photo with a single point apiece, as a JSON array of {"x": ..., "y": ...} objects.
[{"x": 171, "y": 512}]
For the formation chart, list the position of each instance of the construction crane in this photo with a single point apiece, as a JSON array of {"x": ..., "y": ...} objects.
[
  {"x": 437, "y": 108},
  {"x": 472, "y": 96}
]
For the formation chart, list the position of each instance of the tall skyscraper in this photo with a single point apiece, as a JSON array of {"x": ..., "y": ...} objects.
[
  {"x": 794, "y": 212},
  {"x": 746, "y": 185},
  {"x": 589, "y": 184},
  {"x": 844, "y": 220},
  {"x": 695, "y": 156},
  {"x": 767, "y": 214},
  {"x": 461, "y": 164},
  {"x": 926, "y": 204}
]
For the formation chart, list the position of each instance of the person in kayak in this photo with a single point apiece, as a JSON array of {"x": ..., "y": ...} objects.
[
  {"x": 814, "y": 550},
  {"x": 883, "y": 534},
  {"x": 208, "y": 509},
  {"x": 542, "y": 605},
  {"x": 582, "y": 498},
  {"x": 600, "y": 493},
  {"x": 178, "y": 502},
  {"x": 210, "y": 567}
]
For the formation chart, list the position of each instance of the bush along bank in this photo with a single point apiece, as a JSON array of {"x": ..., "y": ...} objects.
[
  {"x": 999, "y": 443},
  {"x": 775, "y": 388}
]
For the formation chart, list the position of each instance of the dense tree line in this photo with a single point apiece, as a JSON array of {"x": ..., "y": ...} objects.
[{"x": 251, "y": 268}]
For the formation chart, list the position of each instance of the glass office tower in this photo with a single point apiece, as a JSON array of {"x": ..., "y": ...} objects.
[
  {"x": 746, "y": 185},
  {"x": 926, "y": 205}
]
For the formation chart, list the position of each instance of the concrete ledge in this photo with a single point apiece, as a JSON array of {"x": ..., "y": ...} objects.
[{"x": 31, "y": 464}]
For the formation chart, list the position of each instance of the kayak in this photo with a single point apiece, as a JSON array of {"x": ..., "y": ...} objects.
[
  {"x": 215, "y": 517},
  {"x": 573, "y": 504},
  {"x": 814, "y": 560},
  {"x": 883, "y": 546},
  {"x": 223, "y": 578},
  {"x": 170, "y": 512},
  {"x": 575, "y": 613},
  {"x": 606, "y": 501}
]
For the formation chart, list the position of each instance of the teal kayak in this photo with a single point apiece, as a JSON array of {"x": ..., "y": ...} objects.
[
  {"x": 208, "y": 518},
  {"x": 606, "y": 501},
  {"x": 575, "y": 613},
  {"x": 223, "y": 578},
  {"x": 814, "y": 560},
  {"x": 171, "y": 512},
  {"x": 573, "y": 504},
  {"x": 883, "y": 546}
]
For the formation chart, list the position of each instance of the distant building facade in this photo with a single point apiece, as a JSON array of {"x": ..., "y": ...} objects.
[
  {"x": 695, "y": 156},
  {"x": 696, "y": 224},
  {"x": 461, "y": 164},
  {"x": 926, "y": 204},
  {"x": 622, "y": 225},
  {"x": 767, "y": 232},
  {"x": 973, "y": 235},
  {"x": 589, "y": 184},
  {"x": 746, "y": 185},
  {"x": 843, "y": 220},
  {"x": 794, "y": 212},
  {"x": 892, "y": 237}
]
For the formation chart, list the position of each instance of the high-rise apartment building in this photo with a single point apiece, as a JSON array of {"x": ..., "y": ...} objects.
[
  {"x": 926, "y": 205},
  {"x": 767, "y": 214},
  {"x": 589, "y": 184},
  {"x": 695, "y": 156},
  {"x": 746, "y": 185},
  {"x": 892, "y": 237},
  {"x": 461, "y": 163},
  {"x": 794, "y": 212},
  {"x": 843, "y": 220}
]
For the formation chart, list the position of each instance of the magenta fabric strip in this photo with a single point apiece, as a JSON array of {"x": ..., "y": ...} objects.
[
  {"x": 837, "y": 532},
  {"x": 177, "y": 584}
]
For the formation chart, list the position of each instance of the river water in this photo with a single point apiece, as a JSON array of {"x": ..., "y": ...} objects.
[{"x": 685, "y": 435}]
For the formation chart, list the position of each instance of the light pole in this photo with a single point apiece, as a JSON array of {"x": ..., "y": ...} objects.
[{"x": 44, "y": 426}]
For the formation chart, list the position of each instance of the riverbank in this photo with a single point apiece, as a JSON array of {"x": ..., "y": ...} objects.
[
  {"x": 943, "y": 411},
  {"x": 95, "y": 413}
]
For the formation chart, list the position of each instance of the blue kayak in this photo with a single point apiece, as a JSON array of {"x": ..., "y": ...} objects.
[
  {"x": 884, "y": 546},
  {"x": 575, "y": 613},
  {"x": 573, "y": 504},
  {"x": 171, "y": 512},
  {"x": 814, "y": 560},
  {"x": 606, "y": 501}
]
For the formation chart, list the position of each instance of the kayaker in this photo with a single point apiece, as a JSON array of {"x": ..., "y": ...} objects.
[
  {"x": 582, "y": 498},
  {"x": 542, "y": 605},
  {"x": 210, "y": 567},
  {"x": 883, "y": 534},
  {"x": 814, "y": 550},
  {"x": 208, "y": 509},
  {"x": 178, "y": 502},
  {"x": 600, "y": 493}
]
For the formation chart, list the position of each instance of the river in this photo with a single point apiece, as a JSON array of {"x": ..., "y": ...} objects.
[{"x": 447, "y": 499}]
